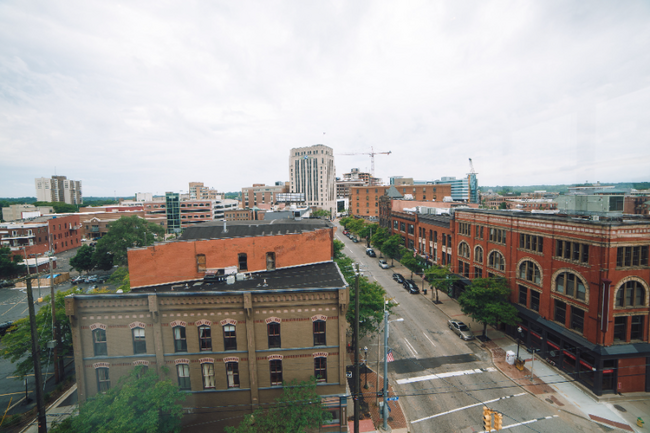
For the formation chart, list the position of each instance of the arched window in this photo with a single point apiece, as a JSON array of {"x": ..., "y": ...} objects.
[
  {"x": 478, "y": 254},
  {"x": 571, "y": 285},
  {"x": 529, "y": 271},
  {"x": 463, "y": 250},
  {"x": 630, "y": 294},
  {"x": 497, "y": 261}
]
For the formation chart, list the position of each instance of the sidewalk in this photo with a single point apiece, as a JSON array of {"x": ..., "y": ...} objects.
[
  {"x": 58, "y": 411},
  {"x": 548, "y": 383}
]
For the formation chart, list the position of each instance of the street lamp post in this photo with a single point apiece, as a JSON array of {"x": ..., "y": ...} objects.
[
  {"x": 365, "y": 358},
  {"x": 519, "y": 331}
]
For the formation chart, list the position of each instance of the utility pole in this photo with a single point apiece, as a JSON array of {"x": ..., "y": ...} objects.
[
  {"x": 55, "y": 327},
  {"x": 357, "y": 378},
  {"x": 385, "y": 407},
  {"x": 36, "y": 357}
]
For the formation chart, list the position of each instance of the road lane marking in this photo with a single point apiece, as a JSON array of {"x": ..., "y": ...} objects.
[
  {"x": 467, "y": 407},
  {"x": 10, "y": 309},
  {"x": 410, "y": 348},
  {"x": 523, "y": 423},
  {"x": 14, "y": 393},
  {"x": 430, "y": 340},
  {"x": 445, "y": 375}
]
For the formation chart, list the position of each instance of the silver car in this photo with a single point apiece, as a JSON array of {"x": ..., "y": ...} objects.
[{"x": 461, "y": 329}]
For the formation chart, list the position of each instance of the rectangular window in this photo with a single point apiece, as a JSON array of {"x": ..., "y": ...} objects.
[
  {"x": 319, "y": 333},
  {"x": 229, "y": 337},
  {"x": 534, "y": 300},
  {"x": 620, "y": 328},
  {"x": 200, "y": 263},
  {"x": 273, "y": 329},
  {"x": 560, "y": 312},
  {"x": 574, "y": 251},
  {"x": 276, "y": 372},
  {"x": 270, "y": 261},
  {"x": 207, "y": 370},
  {"x": 411, "y": 229},
  {"x": 99, "y": 342},
  {"x": 435, "y": 236},
  {"x": 232, "y": 374},
  {"x": 103, "y": 380},
  {"x": 478, "y": 272},
  {"x": 523, "y": 295},
  {"x": 183, "y": 371},
  {"x": 497, "y": 236},
  {"x": 636, "y": 328},
  {"x": 531, "y": 243},
  {"x": 205, "y": 338},
  {"x": 180, "y": 343},
  {"x": 395, "y": 224},
  {"x": 243, "y": 262},
  {"x": 632, "y": 256},
  {"x": 139, "y": 342},
  {"x": 577, "y": 319},
  {"x": 320, "y": 369},
  {"x": 402, "y": 227},
  {"x": 464, "y": 229}
]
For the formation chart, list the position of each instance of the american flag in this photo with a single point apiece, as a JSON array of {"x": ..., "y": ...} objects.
[{"x": 389, "y": 357}]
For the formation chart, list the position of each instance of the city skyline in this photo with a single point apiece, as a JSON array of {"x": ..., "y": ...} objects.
[{"x": 145, "y": 98}]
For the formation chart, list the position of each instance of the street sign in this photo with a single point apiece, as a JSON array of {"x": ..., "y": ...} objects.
[
  {"x": 348, "y": 374},
  {"x": 392, "y": 399}
]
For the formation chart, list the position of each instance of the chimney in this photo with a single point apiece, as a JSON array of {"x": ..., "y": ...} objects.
[{"x": 225, "y": 230}]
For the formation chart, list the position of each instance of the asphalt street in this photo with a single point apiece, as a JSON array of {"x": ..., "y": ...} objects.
[
  {"x": 13, "y": 306},
  {"x": 443, "y": 382}
]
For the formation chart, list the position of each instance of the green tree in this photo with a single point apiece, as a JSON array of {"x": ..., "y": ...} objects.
[
  {"x": 127, "y": 232},
  {"x": 503, "y": 205},
  {"x": 17, "y": 345},
  {"x": 297, "y": 410},
  {"x": 83, "y": 260},
  {"x": 9, "y": 265},
  {"x": 440, "y": 278},
  {"x": 59, "y": 207},
  {"x": 486, "y": 301},
  {"x": 390, "y": 247},
  {"x": 378, "y": 238},
  {"x": 413, "y": 263},
  {"x": 121, "y": 279},
  {"x": 338, "y": 249},
  {"x": 321, "y": 213},
  {"x": 141, "y": 403}
]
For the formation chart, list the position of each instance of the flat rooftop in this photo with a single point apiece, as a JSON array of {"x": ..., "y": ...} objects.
[
  {"x": 316, "y": 276},
  {"x": 240, "y": 229},
  {"x": 564, "y": 218}
]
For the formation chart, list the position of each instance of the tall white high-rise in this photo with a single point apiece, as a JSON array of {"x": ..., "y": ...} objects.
[
  {"x": 312, "y": 172},
  {"x": 58, "y": 189}
]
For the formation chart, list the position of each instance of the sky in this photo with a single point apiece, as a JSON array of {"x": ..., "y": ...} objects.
[{"x": 147, "y": 96}]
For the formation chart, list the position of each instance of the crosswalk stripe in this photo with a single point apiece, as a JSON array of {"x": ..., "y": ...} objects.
[
  {"x": 446, "y": 375},
  {"x": 468, "y": 407}
]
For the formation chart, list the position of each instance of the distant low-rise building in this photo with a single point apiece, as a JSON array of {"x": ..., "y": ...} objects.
[{"x": 17, "y": 212}]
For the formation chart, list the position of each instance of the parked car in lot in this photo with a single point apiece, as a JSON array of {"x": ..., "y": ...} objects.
[
  {"x": 461, "y": 329},
  {"x": 383, "y": 264},
  {"x": 371, "y": 252},
  {"x": 411, "y": 287},
  {"x": 398, "y": 277}
]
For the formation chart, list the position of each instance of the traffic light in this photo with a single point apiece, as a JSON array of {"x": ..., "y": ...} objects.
[
  {"x": 487, "y": 419},
  {"x": 498, "y": 421}
]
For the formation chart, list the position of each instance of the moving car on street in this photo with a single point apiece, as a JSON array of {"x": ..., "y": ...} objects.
[{"x": 461, "y": 329}]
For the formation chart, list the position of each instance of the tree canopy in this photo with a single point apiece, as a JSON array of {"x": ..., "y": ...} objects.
[
  {"x": 126, "y": 232},
  {"x": 390, "y": 247},
  {"x": 413, "y": 262},
  {"x": 486, "y": 301},
  {"x": 59, "y": 207},
  {"x": 440, "y": 278},
  {"x": 9, "y": 265},
  {"x": 141, "y": 403},
  {"x": 83, "y": 260},
  {"x": 371, "y": 296},
  {"x": 17, "y": 344},
  {"x": 297, "y": 410}
]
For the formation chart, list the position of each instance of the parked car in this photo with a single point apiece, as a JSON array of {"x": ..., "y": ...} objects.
[
  {"x": 4, "y": 327},
  {"x": 399, "y": 278},
  {"x": 383, "y": 264},
  {"x": 371, "y": 252},
  {"x": 345, "y": 232},
  {"x": 461, "y": 329},
  {"x": 77, "y": 279},
  {"x": 411, "y": 287}
]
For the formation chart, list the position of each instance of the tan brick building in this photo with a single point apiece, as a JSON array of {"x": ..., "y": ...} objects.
[{"x": 232, "y": 314}]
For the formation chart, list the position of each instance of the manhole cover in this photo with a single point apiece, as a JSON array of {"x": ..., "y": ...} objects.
[
  {"x": 621, "y": 408},
  {"x": 549, "y": 400}
]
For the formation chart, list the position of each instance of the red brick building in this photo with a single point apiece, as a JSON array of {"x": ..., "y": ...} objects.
[
  {"x": 581, "y": 287},
  {"x": 25, "y": 238},
  {"x": 64, "y": 231},
  {"x": 364, "y": 200}
]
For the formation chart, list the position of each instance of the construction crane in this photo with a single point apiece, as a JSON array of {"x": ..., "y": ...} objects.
[
  {"x": 372, "y": 154},
  {"x": 471, "y": 167}
]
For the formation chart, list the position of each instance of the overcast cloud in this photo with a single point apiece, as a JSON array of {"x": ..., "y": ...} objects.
[{"x": 148, "y": 96}]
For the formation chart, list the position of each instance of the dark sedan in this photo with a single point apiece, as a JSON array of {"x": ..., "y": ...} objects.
[
  {"x": 399, "y": 278},
  {"x": 411, "y": 287}
]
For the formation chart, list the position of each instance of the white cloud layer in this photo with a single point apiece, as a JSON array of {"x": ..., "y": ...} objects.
[{"x": 148, "y": 96}]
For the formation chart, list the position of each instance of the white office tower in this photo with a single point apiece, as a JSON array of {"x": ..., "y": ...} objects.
[{"x": 312, "y": 173}]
